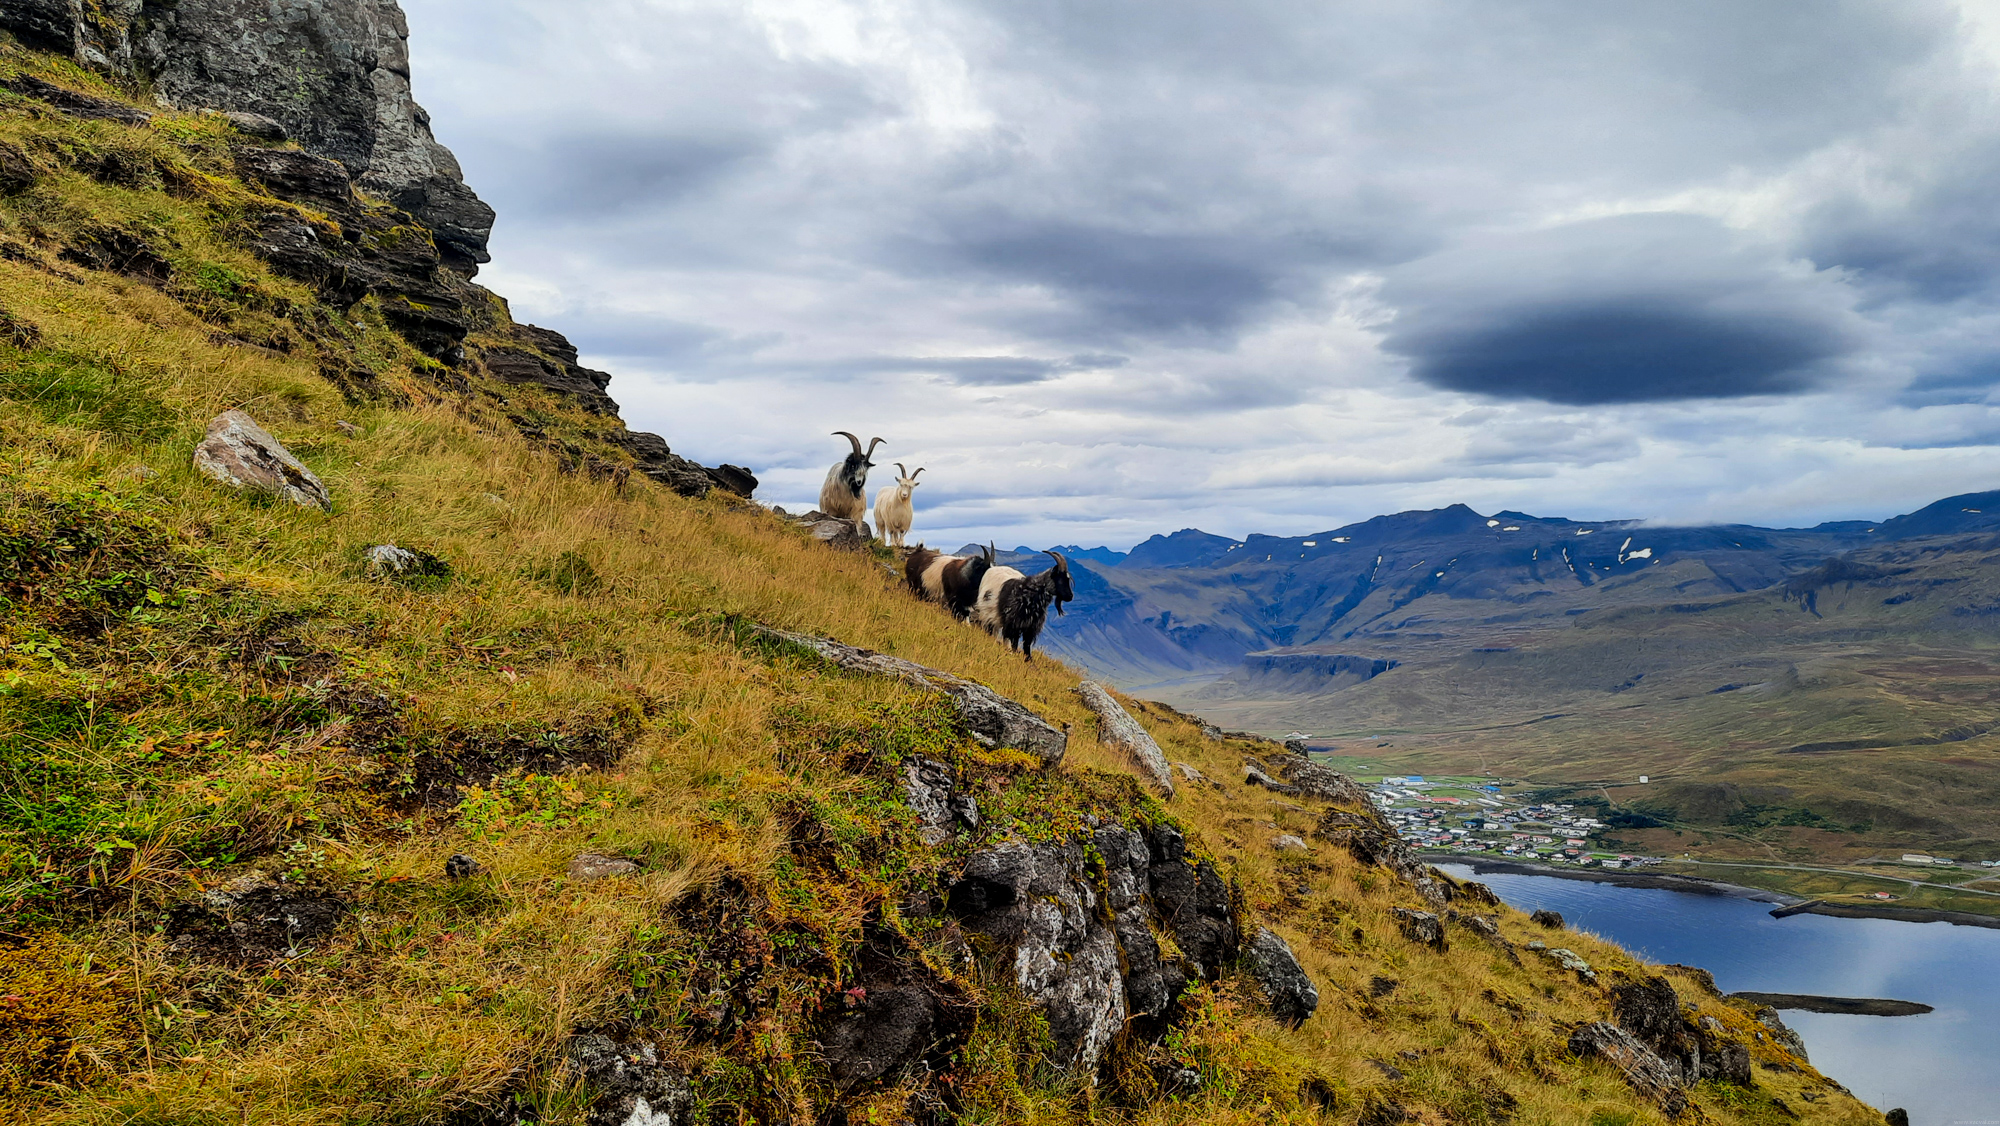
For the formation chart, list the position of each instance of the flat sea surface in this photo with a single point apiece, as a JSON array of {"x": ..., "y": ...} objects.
[{"x": 1943, "y": 1067}]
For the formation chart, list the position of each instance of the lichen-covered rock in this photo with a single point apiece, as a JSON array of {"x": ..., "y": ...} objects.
[
  {"x": 459, "y": 866},
  {"x": 1782, "y": 1032},
  {"x": 1420, "y": 927},
  {"x": 1151, "y": 985},
  {"x": 1117, "y": 729},
  {"x": 630, "y": 1084},
  {"x": 1030, "y": 899},
  {"x": 1287, "y": 989},
  {"x": 597, "y": 866},
  {"x": 1194, "y": 902},
  {"x": 252, "y": 918},
  {"x": 243, "y": 455},
  {"x": 386, "y": 560},
  {"x": 1574, "y": 963},
  {"x": 1650, "y": 1075},
  {"x": 1312, "y": 780},
  {"x": 939, "y": 805}
]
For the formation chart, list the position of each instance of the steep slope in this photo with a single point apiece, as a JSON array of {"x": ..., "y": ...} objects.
[{"x": 536, "y": 829}]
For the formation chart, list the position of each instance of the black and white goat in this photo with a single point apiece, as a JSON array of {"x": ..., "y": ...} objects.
[
  {"x": 894, "y": 510},
  {"x": 952, "y": 580},
  {"x": 1014, "y": 607},
  {"x": 845, "y": 493}
]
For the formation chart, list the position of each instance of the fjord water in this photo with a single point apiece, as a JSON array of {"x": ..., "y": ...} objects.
[{"x": 1940, "y": 1066}]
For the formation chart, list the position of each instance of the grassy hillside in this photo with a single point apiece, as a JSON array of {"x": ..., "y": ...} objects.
[{"x": 205, "y": 692}]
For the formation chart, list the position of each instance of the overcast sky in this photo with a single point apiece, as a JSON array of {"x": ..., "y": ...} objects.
[{"x": 1112, "y": 268}]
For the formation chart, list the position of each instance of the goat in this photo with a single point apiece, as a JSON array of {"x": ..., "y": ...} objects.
[
  {"x": 893, "y": 510},
  {"x": 949, "y": 579},
  {"x": 1014, "y": 607},
  {"x": 845, "y": 493}
]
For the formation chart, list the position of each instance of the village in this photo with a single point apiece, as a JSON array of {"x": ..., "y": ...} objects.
[{"x": 1476, "y": 818}]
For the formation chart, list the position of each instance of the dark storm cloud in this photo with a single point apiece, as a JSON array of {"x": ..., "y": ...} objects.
[
  {"x": 1641, "y": 308},
  {"x": 1633, "y": 351}
]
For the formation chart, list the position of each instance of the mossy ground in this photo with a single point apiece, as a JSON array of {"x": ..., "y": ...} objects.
[{"x": 197, "y": 684}]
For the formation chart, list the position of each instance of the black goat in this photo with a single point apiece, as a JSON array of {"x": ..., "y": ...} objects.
[{"x": 1014, "y": 607}]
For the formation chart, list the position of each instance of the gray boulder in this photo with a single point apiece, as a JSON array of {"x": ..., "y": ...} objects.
[
  {"x": 1650, "y": 1075},
  {"x": 1782, "y": 1032},
  {"x": 1117, "y": 729},
  {"x": 243, "y": 455},
  {"x": 1287, "y": 989},
  {"x": 1420, "y": 927}
]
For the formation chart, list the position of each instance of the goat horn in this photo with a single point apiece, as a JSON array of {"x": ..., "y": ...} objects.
[
  {"x": 900, "y": 471},
  {"x": 913, "y": 476},
  {"x": 851, "y": 438},
  {"x": 872, "y": 443}
]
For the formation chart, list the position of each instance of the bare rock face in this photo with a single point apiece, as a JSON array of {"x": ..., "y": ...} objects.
[
  {"x": 243, "y": 455},
  {"x": 1287, "y": 989},
  {"x": 1546, "y": 918},
  {"x": 335, "y": 75},
  {"x": 1643, "y": 1068}
]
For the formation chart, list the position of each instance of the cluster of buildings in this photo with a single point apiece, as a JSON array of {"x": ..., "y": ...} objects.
[{"x": 1479, "y": 819}]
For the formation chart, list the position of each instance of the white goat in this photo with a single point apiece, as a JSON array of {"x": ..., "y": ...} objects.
[{"x": 893, "y": 510}]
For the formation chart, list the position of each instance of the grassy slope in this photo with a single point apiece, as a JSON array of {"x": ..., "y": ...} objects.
[{"x": 197, "y": 684}]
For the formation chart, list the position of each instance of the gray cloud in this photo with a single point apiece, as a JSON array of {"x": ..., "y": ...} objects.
[
  {"x": 1304, "y": 233},
  {"x": 1639, "y": 308}
]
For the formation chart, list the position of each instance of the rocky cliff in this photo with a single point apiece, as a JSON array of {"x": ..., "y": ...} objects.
[{"x": 318, "y": 94}]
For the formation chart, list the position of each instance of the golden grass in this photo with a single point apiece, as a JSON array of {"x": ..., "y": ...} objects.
[{"x": 435, "y": 997}]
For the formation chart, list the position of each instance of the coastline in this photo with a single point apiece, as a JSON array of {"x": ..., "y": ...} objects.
[
  {"x": 1787, "y": 905},
  {"x": 1626, "y": 878}
]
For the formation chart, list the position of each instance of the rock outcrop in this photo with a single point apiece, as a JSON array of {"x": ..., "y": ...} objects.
[
  {"x": 334, "y": 75},
  {"x": 986, "y": 715},
  {"x": 1287, "y": 989},
  {"x": 1082, "y": 949},
  {"x": 243, "y": 455},
  {"x": 1643, "y": 1068},
  {"x": 1116, "y": 728}
]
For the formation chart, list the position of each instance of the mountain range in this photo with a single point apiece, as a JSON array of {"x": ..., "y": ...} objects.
[{"x": 1839, "y": 675}]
